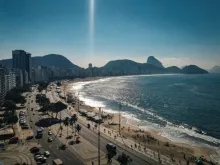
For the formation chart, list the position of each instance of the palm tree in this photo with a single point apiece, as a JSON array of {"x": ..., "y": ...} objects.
[
  {"x": 66, "y": 122},
  {"x": 71, "y": 122}
]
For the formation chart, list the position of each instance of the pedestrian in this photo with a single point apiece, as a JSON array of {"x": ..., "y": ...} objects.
[{"x": 92, "y": 163}]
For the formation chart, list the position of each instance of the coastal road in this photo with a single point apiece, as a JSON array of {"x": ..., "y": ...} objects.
[
  {"x": 65, "y": 155},
  {"x": 92, "y": 137}
]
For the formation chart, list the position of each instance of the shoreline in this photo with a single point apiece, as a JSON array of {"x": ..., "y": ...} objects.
[{"x": 149, "y": 132}]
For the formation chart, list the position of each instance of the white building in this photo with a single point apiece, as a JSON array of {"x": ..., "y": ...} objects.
[
  {"x": 2, "y": 85},
  {"x": 10, "y": 80}
]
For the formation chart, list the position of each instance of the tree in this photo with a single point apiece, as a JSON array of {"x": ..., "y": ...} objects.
[
  {"x": 12, "y": 118},
  {"x": 71, "y": 123},
  {"x": 59, "y": 106},
  {"x": 15, "y": 95},
  {"x": 47, "y": 108},
  {"x": 66, "y": 122},
  {"x": 1, "y": 121},
  {"x": 9, "y": 105},
  {"x": 74, "y": 119},
  {"x": 78, "y": 128},
  {"x": 124, "y": 159}
]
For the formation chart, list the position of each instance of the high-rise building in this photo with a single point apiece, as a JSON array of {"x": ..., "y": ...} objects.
[
  {"x": 90, "y": 65},
  {"x": 10, "y": 80},
  {"x": 2, "y": 84},
  {"x": 22, "y": 61},
  {"x": 19, "y": 77}
]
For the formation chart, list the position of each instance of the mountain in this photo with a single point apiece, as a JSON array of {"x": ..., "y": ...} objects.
[
  {"x": 55, "y": 60},
  {"x": 215, "y": 69},
  {"x": 112, "y": 68},
  {"x": 153, "y": 61},
  {"x": 173, "y": 69},
  {"x": 193, "y": 69},
  {"x": 128, "y": 67},
  {"x": 6, "y": 62}
]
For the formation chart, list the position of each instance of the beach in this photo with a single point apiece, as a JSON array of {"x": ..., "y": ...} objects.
[{"x": 144, "y": 140}]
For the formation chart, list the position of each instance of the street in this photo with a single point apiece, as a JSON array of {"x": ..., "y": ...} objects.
[{"x": 65, "y": 155}]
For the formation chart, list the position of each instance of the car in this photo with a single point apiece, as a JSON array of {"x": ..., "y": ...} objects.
[
  {"x": 13, "y": 140},
  {"x": 22, "y": 121},
  {"x": 50, "y": 139},
  {"x": 42, "y": 128},
  {"x": 30, "y": 137},
  {"x": 34, "y": 150},
  {"x": 43, "y": 159},
  {"x": 111, "y": 148},
  {"x": 21, "y": 118},
  {"x": 46, "y": 153},
  {"x": 49, "y": 132},
  {"x": 32, "y": 109},
  {"x": 21, "y": 113},
  {"x": 38, "y": 156}
]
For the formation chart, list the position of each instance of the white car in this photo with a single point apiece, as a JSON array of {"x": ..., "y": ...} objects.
[
  {"x": 47, "y": 153},
  {"x": 38, "y": 157},
  {"x": 49, "y": 133}
]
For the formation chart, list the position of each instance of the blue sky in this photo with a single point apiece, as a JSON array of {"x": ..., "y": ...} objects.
[{"x": 178, "y": 32}]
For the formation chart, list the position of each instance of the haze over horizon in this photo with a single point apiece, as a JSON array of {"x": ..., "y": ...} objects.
[{"x": 176, "y": 32}]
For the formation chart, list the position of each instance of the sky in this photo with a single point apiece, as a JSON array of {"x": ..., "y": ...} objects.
[{"x": 177, "y": 32}]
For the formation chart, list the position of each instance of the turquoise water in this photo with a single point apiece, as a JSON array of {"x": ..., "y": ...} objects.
[{"x": 183, "y": 107}]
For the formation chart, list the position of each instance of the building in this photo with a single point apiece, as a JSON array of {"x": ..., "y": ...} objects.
[
  {"x": 22, "y": 60},
  {"x": 10, "y": 80},
  {"x": 40, "y": 74},
  {"x": 90, "y": 65},
  {"x": 2, "y": 85},
  {"x": 19, "y": 77}
]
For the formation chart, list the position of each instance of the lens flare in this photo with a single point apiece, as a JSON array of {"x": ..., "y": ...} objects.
[{"x": 91, "y": 26}]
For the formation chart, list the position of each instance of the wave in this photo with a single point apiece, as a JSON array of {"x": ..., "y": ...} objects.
[{"x": 172, "y": 131}]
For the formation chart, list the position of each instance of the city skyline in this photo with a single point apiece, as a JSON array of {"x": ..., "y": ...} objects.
[{"x": 176, "y": 32}]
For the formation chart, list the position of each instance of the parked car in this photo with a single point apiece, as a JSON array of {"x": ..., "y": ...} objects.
[
  {"x": 30, "y": 137},
  {"x": 49, "y": 139},
  {"x": 34, "y": 149},
  {"x": 111, "y": 148},
  {"x": 49, "y": 132},
  {"x": 46, "y": 153}
]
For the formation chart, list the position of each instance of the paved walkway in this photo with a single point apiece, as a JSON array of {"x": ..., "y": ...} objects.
[
  {"x": 85, "y": 151},
  {"x": 18, "y": 153}
]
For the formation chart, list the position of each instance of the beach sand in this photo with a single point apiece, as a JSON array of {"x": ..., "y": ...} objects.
[{"x": 145, "y": 138}]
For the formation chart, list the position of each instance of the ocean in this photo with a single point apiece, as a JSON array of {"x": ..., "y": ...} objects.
[{"x": 183, "y": 108}]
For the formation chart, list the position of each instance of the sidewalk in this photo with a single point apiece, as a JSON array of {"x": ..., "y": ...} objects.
[
  {"x": 85, "y": 151},
  {"x": 146, "y": 154}
]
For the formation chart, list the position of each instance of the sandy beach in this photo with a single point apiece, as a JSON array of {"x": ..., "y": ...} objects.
[{"x": 140, "y": 139}]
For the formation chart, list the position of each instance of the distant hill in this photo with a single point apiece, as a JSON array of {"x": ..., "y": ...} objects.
[
  {"x": 128, "y": 67},
  {"x": 215, "y": 69},
  {"x": 55, "y": 60},
  {"x": 153, "y": 61},
  {"x": 173, "y": 69},
  {"x": 193, "y": 69},
  {"x": 112, "y": 68}
]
